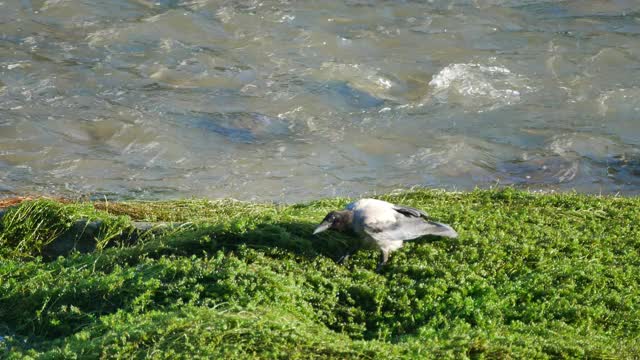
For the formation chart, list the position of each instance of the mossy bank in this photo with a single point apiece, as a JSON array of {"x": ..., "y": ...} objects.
[{"x": 530, "y": 276}]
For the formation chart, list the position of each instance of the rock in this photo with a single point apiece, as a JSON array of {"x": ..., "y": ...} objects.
[
  {"x": 83, "y": 234},
  {"x": 80, "y": 237}
]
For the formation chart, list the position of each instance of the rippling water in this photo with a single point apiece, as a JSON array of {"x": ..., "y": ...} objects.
[{"x": 288, "y": 101}]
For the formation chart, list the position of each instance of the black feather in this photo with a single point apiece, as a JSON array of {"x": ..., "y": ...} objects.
[{"x": 410, "y": 212}]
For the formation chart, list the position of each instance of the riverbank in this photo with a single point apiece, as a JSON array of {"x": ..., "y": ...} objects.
[{"x": 530, "y": 276}]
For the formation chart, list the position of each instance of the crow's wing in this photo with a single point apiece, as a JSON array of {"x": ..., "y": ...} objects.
[
  {"x": 407, "y": 228},
  {"x": 410, "y": 212}
]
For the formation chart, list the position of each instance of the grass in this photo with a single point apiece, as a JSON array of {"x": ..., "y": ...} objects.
[{"x": 531, "y": 276}]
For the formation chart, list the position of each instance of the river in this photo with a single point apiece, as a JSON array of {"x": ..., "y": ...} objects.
[{"x": 296, "y": 100}]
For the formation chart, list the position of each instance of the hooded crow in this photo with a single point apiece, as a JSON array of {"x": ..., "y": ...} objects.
[{"x": 383, "y": 225}]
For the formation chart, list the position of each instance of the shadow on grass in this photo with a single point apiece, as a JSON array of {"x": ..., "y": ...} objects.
[
  {"x": 290, "y": 237},
  {"x": 197, "y": 238}
]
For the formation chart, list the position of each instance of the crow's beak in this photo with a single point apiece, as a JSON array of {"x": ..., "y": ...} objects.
[
  {"x": 442, "y": 230},
  {"x": 322, "y": 227}
]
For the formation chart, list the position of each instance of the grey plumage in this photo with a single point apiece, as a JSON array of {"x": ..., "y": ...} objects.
[{"x": 384, "y": 225}]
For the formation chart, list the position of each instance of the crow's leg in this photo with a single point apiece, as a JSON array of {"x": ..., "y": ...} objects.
[{"x": 384, "y": 257}]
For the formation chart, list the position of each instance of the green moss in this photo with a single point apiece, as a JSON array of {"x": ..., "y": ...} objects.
[
  {"x": 33, "y": 225},
  {"x": 530, "y": 276}
]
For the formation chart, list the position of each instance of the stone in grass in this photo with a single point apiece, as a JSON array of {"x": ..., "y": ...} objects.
[{"x": 82, "y": 236}]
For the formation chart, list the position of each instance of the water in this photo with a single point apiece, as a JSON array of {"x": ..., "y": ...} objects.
[{"x": 290, "y": 101}]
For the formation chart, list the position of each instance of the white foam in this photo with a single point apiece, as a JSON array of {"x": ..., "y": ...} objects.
[{"x": 475, "y": 85}]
